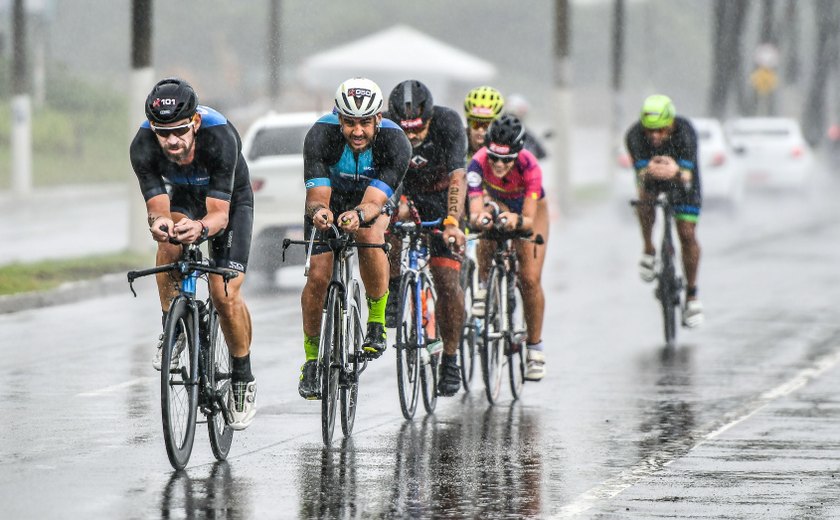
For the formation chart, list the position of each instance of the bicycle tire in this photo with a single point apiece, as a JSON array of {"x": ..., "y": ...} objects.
[
  {"x": 492, "y": 349},
  {"x": 349, "y": 395},
  {"x": 330, "y": 363},
  {"x": 218, "y": 372},
  {"x": 408, "y": 355},
  {"x": 178, "y": 388},
  {"x": 469, "y": 332},
  {"x": 517, "y": 336},
  {"x": 429, "y": 369},
  {"x": 666, "y": 291}
]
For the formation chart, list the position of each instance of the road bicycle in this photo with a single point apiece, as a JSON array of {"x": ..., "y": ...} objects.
[
  {"x": 195, "y": 361},
  {"x": 341, "y": 359},
  {"x": 419, "y": 344},
  {"x": 669, "y": 283},
  {"x": 504, "y": 330}
]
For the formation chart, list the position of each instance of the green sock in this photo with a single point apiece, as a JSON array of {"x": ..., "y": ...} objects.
[
  {"x": 310, "y": 345},
  {"x": 376, "y": 308}
]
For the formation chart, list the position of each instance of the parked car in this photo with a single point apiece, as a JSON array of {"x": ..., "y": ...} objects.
[
  {"x": 721, "y": 176},
  {"x": 771, "y": 151},
  {"x": 273, "y": 148}
]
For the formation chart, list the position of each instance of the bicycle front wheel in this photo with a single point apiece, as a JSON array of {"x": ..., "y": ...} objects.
[
  {"x": 408, "y": 355},
  {"x": 669, "y": 298},
  {"x": 178, "y": 383},
  {"x": 429, "y": 363},
  {"x": 352, "y": 352},
  {"x": 469, "y": 334},
  {"x": 330, "y": 364},
  {"x": 492, "y": 351},
  {"x": 518, "y": 334},
  {"x": 218, "y": 370}
]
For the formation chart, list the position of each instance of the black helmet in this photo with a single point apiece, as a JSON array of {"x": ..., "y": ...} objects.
[
  {"x": 411, "y": 104},
  {"x": 506, "y": 136},
  {"x": 170, "y": 100}
]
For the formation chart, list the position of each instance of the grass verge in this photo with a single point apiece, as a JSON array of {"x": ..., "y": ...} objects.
[{"x": 48, "y": 274}]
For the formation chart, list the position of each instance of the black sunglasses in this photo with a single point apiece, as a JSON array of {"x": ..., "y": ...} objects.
[
  {"x": 503, "y": 158},
  {"x": 178, "y": 131}
]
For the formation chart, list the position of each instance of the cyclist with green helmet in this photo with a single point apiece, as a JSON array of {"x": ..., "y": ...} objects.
[{"x": 663, "y": 148}]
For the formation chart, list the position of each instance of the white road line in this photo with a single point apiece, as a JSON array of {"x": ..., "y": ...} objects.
[
  {"x": 645, "y": 468},
  {"x": 114, "y": 388}
]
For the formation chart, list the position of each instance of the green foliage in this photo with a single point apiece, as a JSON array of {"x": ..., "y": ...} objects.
[{"x": 41, "y": 276}]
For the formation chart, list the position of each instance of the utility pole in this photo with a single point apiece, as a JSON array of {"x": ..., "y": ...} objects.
[
  {"x": 274, "y": 52},
  {"x": 142, "y": 80},
  {"x": 21, "y": 106},
  {"x": 562, "y": 104},
  {"x": 617, "y": 115}
]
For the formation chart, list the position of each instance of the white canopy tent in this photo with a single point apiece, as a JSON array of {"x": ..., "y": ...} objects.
[{"x": 396, "y": 54}]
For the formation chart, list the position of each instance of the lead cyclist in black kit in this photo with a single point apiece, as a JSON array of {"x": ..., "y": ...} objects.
[
  {"x": 188, "y": 161},
  {"x": 436, "y": 183},
  {"x": 353, "y": 160}
]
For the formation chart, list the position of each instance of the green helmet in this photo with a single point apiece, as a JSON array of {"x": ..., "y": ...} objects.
[{"x": 658, "y": 112}]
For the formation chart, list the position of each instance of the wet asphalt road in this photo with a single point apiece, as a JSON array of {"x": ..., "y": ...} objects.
[{"x": 739, "y": 421}]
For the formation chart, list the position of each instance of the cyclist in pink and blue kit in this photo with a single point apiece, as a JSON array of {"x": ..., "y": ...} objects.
[{"x": 509, "y": 177}]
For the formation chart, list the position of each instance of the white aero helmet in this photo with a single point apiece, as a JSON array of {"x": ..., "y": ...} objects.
[{"x": 358, "y": 97}]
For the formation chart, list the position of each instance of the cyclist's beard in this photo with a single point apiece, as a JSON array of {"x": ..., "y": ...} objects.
[{"x": 180, "y": 153}]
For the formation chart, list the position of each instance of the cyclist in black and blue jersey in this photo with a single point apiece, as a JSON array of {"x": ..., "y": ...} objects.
[
  {"x": 353, "y": 161},
  {"x": 663, "y": 147},
  {"x": 188, "y": 161},
  {"x": 436, "y": 183}
]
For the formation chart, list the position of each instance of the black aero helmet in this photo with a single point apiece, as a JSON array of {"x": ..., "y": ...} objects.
[
  {"x": 411, "y": 104},
  {"x": 506, "y": 136},
  {"x": 170, "y": 100}
]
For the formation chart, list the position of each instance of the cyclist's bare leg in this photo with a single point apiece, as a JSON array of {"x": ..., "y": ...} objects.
[
  {"x": 167, "y": 282},
  {"x": 530, "y": 274},
  {"x": 234, "y": 317},
  {"x": 647, "y": 217},
  {"x": 483, "y": 256},
  {"x": 314, "y": 292},
  {"x": 373, "y": 263},
  {"x": 394, "y": 255},
  {"x": 690, "y": 251},
  {"x": 450, "y": 302}
]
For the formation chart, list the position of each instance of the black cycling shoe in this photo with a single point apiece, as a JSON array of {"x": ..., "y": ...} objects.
[
  {"x": 308, "y": 386},
  {"x": 375, "y": 340},
  {"x": 392, "y": 308},
  {"x": 449, "y": 377}
]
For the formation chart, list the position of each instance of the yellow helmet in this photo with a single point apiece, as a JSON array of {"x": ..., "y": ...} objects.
[{"x": 483, "y": 103}]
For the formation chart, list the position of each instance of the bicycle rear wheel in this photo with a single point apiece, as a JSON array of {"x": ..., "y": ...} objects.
[
  {"x": 469, "y": 334},
  {"x": 518, "y": 334},
  {"x": 330, "y": 364},
  {"x": 408, "y": 355},
  {"x": 218, "y": 369},
  {"x": 429, "y": 368},
  {"x": 492, "y": 350},
  {"x": 352, "y": 351},
  {"x": 178, "y": 384}
]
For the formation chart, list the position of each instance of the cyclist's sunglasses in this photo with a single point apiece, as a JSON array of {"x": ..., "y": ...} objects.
[
  {"x": 475, "y": 124},
  {"x": 503, "y": 158},
  {"x": 178, "y": 131}
]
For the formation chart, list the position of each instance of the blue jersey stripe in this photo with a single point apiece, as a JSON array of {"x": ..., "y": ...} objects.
[
  {"x": 376, "y": 183},
  {"x": 318, "y": 181}
]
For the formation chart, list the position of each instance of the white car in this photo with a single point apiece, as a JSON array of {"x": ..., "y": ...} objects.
[
  {"x": 273, "y": 149},
  {"x": 771, "y": 151},
  {"x": 721, "y": 176}
]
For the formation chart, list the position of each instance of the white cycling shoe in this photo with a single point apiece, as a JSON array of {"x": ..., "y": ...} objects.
[
  {"x": 242, "y": 404},
  {"x": 174, "y": 363},
  {"x": 648, "y": 265},
  {"x": 692, "y": 315},
  {"x": 534, "y": 365}
]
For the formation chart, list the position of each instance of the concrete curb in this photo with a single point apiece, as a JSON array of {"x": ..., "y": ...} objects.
[{"x": 70, "y": 292}]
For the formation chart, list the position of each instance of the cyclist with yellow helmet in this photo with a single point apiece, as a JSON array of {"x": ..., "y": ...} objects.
[
  {"x": 482, "y": 106},
  {"x": 663, "y": 147}
]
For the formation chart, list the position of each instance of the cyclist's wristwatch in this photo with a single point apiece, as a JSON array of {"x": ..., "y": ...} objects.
[
  {"x": 450, "y": 221},
  {"x": 361, "y": 215}
]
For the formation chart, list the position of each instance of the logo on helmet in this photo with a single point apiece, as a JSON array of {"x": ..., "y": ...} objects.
[
  {"x": 411, "y": 123},
  {"x": 499, "y": 149},
  {"x": 481, "y": 111},
  {"x": 359, "y": 92}
]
